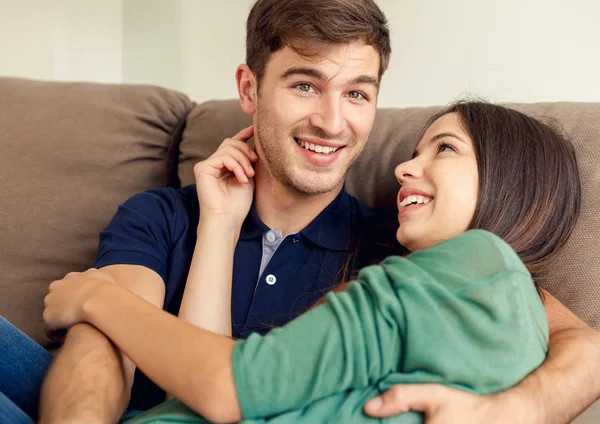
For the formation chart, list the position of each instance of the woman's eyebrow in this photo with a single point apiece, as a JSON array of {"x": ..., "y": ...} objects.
[
  {"x": 438, "y": 137},
  {"x": 447, "y": 134}
]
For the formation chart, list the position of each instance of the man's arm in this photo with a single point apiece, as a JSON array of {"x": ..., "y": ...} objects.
[
  {"x": 569, "y": 380},
  {"x": 566, "y": 383},
  {"x": 86, "y": 382},
  {"x": 90, "y": 381}
]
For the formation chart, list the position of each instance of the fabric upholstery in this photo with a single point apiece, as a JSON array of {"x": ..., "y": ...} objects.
[
  {"x": 574, "y": 277},
  {"x": 207, "y": 126},
  {"x": 69, "y": 154},
  {"x": 590, "y": 415}
]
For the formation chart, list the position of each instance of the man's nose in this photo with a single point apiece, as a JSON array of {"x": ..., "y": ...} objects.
[{"x": 329, "y": 116}]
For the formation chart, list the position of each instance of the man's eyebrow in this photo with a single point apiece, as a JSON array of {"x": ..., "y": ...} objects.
[
  {"x": 439, "y": 137},
  {"x": 365, "y": 79},
  {"x": 308, "y": 72},
  {"x": 316, "y": 74}
]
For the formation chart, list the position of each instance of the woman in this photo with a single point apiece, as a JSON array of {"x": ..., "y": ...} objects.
[{"x": 461, "y": 310}]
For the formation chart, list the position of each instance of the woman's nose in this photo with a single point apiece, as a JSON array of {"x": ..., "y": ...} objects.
[{"x": 408, "y": 169}]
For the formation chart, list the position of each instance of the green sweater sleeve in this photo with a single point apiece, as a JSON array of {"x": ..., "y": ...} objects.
[
  {"x": 380, "y": 330},
  {"x": 329, "y": 349},
  {"x": 474, "y": 318}
]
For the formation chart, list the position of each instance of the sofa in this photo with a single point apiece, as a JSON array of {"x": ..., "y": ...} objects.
[{"x": 70, "y": 153}]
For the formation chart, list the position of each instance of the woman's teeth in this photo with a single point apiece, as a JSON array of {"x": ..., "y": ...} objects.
[
  {"x": 316, "y": 148},
  {"x": 420, "y": 200}
]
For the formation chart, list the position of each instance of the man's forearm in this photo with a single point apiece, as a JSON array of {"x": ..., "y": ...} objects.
[
  {"x": 567, "y": 382},
  {"x": 569, "y": 379},
  {"x": 86, "y": 382}
]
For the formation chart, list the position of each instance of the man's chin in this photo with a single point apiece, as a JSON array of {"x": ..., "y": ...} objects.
[{"x": 315, "y": 187}]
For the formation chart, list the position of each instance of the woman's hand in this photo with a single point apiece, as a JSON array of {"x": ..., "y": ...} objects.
[
  {"x": 225, "y": 181},
  {"x": 63, "y": 305}
]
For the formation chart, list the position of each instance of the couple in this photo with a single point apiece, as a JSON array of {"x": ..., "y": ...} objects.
[
  {"x": 462, "y": 309},
  {"x": 283, "y": 227}
]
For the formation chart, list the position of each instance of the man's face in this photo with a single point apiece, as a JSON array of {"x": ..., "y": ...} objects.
[{"x": 314, "y": 115}]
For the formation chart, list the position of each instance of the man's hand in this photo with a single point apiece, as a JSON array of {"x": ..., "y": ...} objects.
[
  {"x": 559, "y": 390},
  {"x": 224, "y": 181},
  {"x": 63, "y": 305},
  {"x": 443, "y": 405}
]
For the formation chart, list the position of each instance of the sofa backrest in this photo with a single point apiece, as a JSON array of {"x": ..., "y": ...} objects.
[
  {"x": 70, "y": 153},
  {"x": 575, "y": 275}
]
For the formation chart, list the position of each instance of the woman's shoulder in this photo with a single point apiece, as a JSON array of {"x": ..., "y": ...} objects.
[{"x": 475, "y": 256}]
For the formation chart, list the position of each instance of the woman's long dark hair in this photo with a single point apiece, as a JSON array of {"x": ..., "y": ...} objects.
[{"x": 529, "y": 186}]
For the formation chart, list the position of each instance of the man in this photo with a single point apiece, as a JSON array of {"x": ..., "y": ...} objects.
[
  {"x": 313, "y": 99},
  {"x": 311, "y": 83}
]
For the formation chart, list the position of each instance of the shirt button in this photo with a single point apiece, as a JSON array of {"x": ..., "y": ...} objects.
[
  {"x": 270, "y": 237},
  {"x": 271, "y": 279}
]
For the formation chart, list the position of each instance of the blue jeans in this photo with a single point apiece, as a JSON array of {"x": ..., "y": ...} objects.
[{"x": 23, "y": 365}]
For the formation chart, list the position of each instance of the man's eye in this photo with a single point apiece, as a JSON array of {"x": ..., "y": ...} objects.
[
  {"x": 304, "y": 88},
  {"x": 356, "y": 95}
]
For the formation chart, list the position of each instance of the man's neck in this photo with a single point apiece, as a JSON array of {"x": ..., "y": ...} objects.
[{"x": 282, "y": 208}]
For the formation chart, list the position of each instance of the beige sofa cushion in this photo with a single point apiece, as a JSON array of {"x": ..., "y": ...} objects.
[
  {"x": 575, "y": 277},
  {"x": 70, "y": 153},
  {"x": 207, "y": 126}
]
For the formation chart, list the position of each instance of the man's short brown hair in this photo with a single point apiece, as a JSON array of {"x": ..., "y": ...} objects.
[{"x": 305, "y": 26}]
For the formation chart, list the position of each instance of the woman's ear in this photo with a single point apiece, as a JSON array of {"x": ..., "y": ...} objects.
[{"x": 247, "y": 87}]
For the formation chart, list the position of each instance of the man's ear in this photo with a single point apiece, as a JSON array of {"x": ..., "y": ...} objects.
[{"x": 247, "y": 87}]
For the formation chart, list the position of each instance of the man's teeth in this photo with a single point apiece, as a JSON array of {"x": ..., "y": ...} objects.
[
  {"x": 421, "y": 200},
  {"x": 317, "y": 148}
]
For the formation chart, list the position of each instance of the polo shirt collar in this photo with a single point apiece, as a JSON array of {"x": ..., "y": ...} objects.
[
  {"x": 253, "y": 226},
  {"x": 330, "y": 229}
]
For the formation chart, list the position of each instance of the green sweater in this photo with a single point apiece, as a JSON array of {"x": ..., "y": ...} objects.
[{"x": 464, "y": 313}]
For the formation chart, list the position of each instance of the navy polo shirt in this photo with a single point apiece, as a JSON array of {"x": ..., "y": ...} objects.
[{"x": 157, "y": 229}]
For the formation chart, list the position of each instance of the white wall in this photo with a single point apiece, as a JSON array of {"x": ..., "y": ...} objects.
[
  {"x": 88, "y": 40},
  {"x": 504, "y": 50},
  {"x": 214, "y": 42},
  {"x": 193, "y": 46},
  {"x": 153, "y": 43},
  {"x": 61, "y": 39},
  {"x": 27, "y": 39}
]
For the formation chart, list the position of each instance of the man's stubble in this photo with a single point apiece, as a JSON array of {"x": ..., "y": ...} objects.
[{"x": 277, "y": 153}]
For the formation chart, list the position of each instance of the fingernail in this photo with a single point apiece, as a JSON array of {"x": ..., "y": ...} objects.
[{"x": 374, "y": 403}]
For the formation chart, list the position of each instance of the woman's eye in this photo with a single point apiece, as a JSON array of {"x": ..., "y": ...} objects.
[{"x": 444, "y": 147}]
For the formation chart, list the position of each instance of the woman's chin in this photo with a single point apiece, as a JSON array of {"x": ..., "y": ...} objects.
[
  {"x": 405, "y": 240},
  {"x": 414, "y": 242}
]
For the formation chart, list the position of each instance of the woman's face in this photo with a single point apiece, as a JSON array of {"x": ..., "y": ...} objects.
[{"x": 440, "y": 185}]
